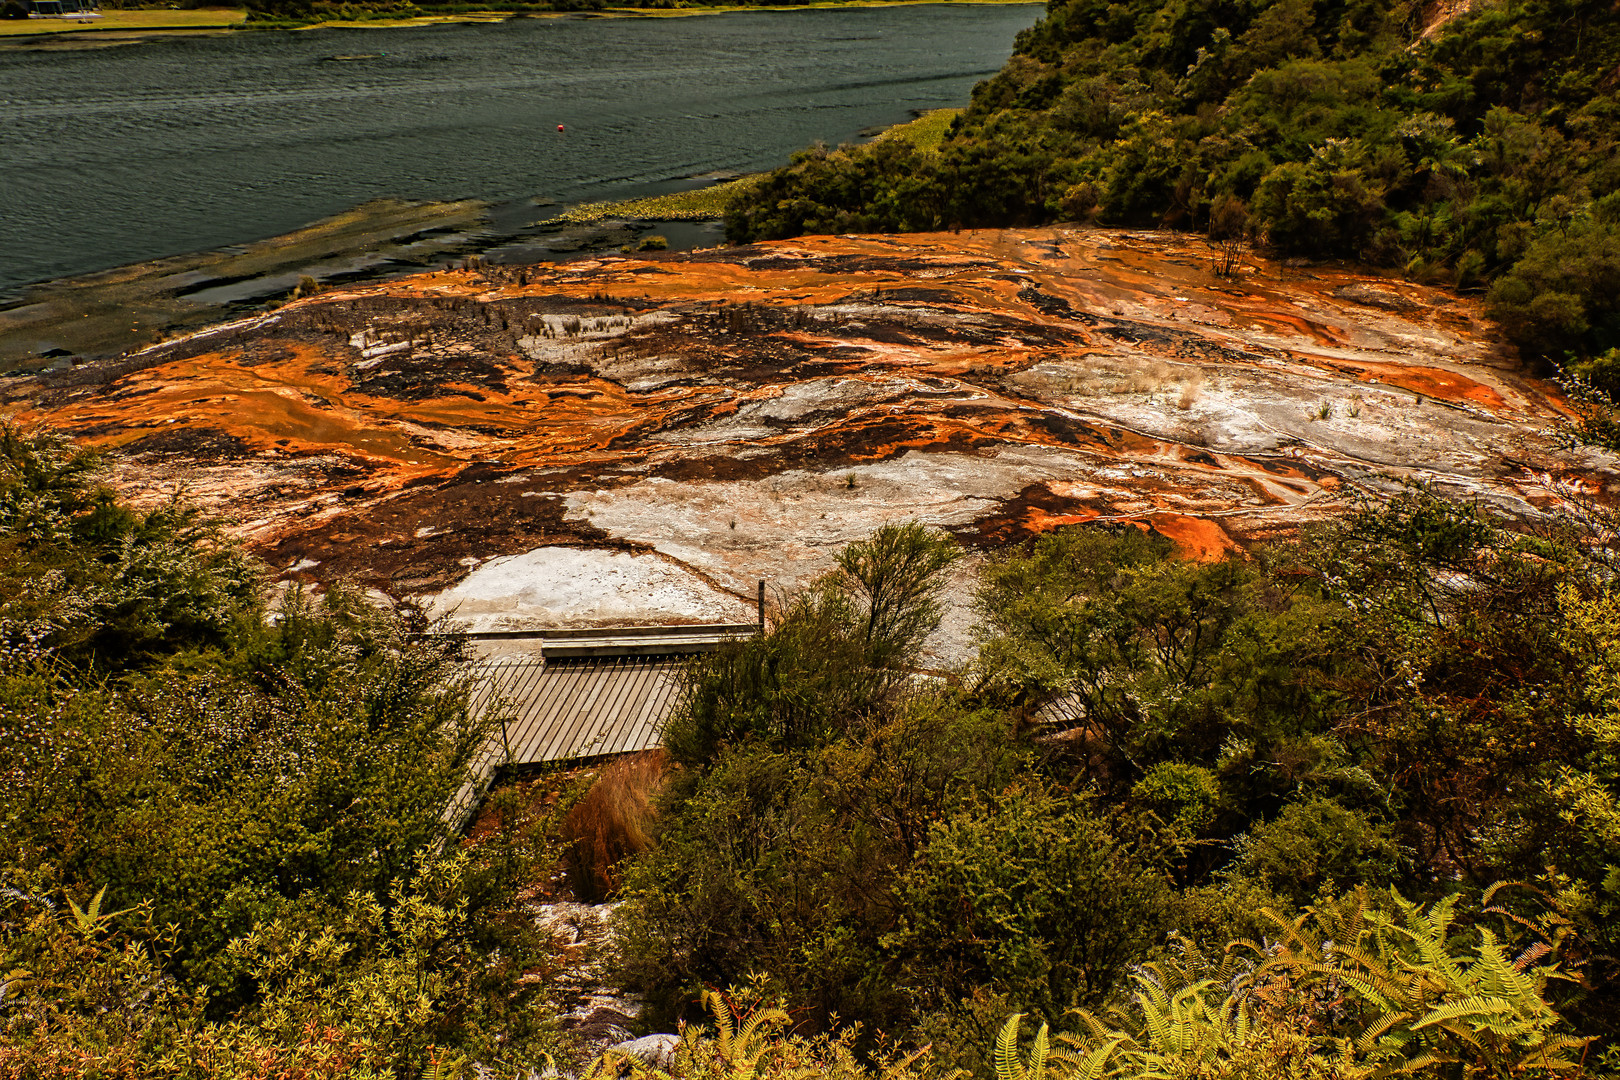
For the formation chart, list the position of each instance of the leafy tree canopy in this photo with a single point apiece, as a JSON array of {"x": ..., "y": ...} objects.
[{"x": 1480, "y": 152}]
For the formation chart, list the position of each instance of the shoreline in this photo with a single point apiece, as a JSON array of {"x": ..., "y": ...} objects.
[
  {"x": 62, "y": 322},
  {"x": 127, "y": 28},
  {"x": 123, "y": 24},
  {"x": 85, "y": 315}
]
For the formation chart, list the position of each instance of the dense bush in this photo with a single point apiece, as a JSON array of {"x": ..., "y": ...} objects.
[
  {"x": 1033, "y": 895},
  {"x": 1484, "y": 149},
  {"x": 1356, "y": 988},
  {"x": 1411, "y": 697},
  {"x": 253, "y": 799},
  {"x": 1251, "y": 817},
  {"x": 837, "y": 653}
]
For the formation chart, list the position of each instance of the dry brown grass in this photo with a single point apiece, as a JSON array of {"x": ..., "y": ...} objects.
[{"x": 613, "y": 820}]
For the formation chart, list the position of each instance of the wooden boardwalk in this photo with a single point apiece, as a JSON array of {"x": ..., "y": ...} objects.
[
  {"x": 575, "y": 708},
  {"x": 589, "y": 693}
]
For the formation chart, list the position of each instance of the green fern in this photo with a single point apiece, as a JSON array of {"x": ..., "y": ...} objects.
[
  {"x": 439, "y": 1068},
  {"x": 1416, "y": 1004},
  {"x": 91, "y": 919},
  {"x": 1010, "y": 1065},
  {"x": 1426, "y": 1005}
]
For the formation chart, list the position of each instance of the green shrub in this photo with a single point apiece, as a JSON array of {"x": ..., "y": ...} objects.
[
  {"x": 831, "y": 656},
  {"x": 1349, "y": 991},
  {"x": 788, "y": 861},
  {"x": 222, "y": 774},
  {"x": 104, "y": 585},
  {"x": 1184, "y": 796},
  {"x": 1314, "y": 845},
  {"x": 224, "y": 796},
  {"x": 1033, "y": 894},
  {"x": 380, "y": 988},
  {"x": 1168, "y": 660}
]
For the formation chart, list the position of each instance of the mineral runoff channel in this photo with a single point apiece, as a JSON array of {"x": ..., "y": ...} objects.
[{"x": 59, "y": 324}]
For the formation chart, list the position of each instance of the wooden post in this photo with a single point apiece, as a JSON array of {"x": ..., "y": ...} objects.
[
  {"x": 504, "y": 744},
  {"x": 762, "y": 605}
]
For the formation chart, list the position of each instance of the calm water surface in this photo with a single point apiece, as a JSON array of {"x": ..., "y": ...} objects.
[{"x": 118, "y": 155}]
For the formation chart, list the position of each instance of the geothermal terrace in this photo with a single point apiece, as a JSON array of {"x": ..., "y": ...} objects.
[{"x": 642, "y": 438}]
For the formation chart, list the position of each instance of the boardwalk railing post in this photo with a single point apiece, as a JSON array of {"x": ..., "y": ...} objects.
[{"x": 504, "y": 744}]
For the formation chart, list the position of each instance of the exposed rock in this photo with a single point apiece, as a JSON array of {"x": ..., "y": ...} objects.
[
  {"x": 644, "y": 438},
  {"x": 595, "y": 1013},
  {"x": 562, "y": 586},
  {"x": 657, "y": 1051}
]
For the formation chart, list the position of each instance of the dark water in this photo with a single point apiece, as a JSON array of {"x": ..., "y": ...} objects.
[{"x": 118, "y": 155}]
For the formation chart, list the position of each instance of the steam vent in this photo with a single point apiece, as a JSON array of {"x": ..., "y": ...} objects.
[{"x": 641, "y": 439}]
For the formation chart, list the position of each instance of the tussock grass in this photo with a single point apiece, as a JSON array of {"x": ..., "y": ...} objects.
[{"x": 613, "y": 820}]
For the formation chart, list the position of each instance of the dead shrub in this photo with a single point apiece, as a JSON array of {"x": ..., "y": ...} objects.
[{"x": 613, "y": 820}]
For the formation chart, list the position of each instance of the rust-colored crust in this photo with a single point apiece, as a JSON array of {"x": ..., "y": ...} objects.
[{"x": 404, "y": 431}]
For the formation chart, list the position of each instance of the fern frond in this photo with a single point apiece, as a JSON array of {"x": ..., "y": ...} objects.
[
  {"x": 1530, "y": 955},
  {"x": 1379, "y": 1028},
  {"x": 724, "y": 1023},
  {"x": 1093, "y": 1025},
  {"x": 1423, "y": 1061},
  {"x": 1556, "y": 1043},
  {"x": 761, "y": 1018},
  {"x": 1008, "y": 1067},
  {"x": 1037, "y": 1055},
  {"x": 88, "y": 917},
  {"x": 1094, "y": 1066},
  {"x": 1473, "y": 1009}
]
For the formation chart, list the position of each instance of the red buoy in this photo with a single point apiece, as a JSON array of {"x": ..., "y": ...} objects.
[{"x": 559, "y": 127}]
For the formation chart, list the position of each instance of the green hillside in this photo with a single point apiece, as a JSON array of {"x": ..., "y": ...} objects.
[{"x": 1480, "y": 152}]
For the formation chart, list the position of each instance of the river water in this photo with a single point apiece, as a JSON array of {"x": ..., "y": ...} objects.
[{"x": 112, "y": 156}]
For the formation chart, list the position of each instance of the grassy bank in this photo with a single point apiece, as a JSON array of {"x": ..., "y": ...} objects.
[
  {"x": 709, "y": 203},
  {"x": 704, "y": 204},
  {"x": 924, "y": 133},
  {"x": 165, "y": 20},
  {"x": 144, "y": 21}
]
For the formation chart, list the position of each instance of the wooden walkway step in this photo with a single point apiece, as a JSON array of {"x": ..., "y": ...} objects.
[{"x": 623, "y": 640}]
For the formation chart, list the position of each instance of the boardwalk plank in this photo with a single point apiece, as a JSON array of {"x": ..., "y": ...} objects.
[
  {"x": 579, "y": 707},
  {"x": 616, "y": 700},
  {"x": 514, "y": 685},
  {"x": 641, "y": 727},
  {"x": 546, "y": 690},
  {"x": 572, "y": 711}
]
